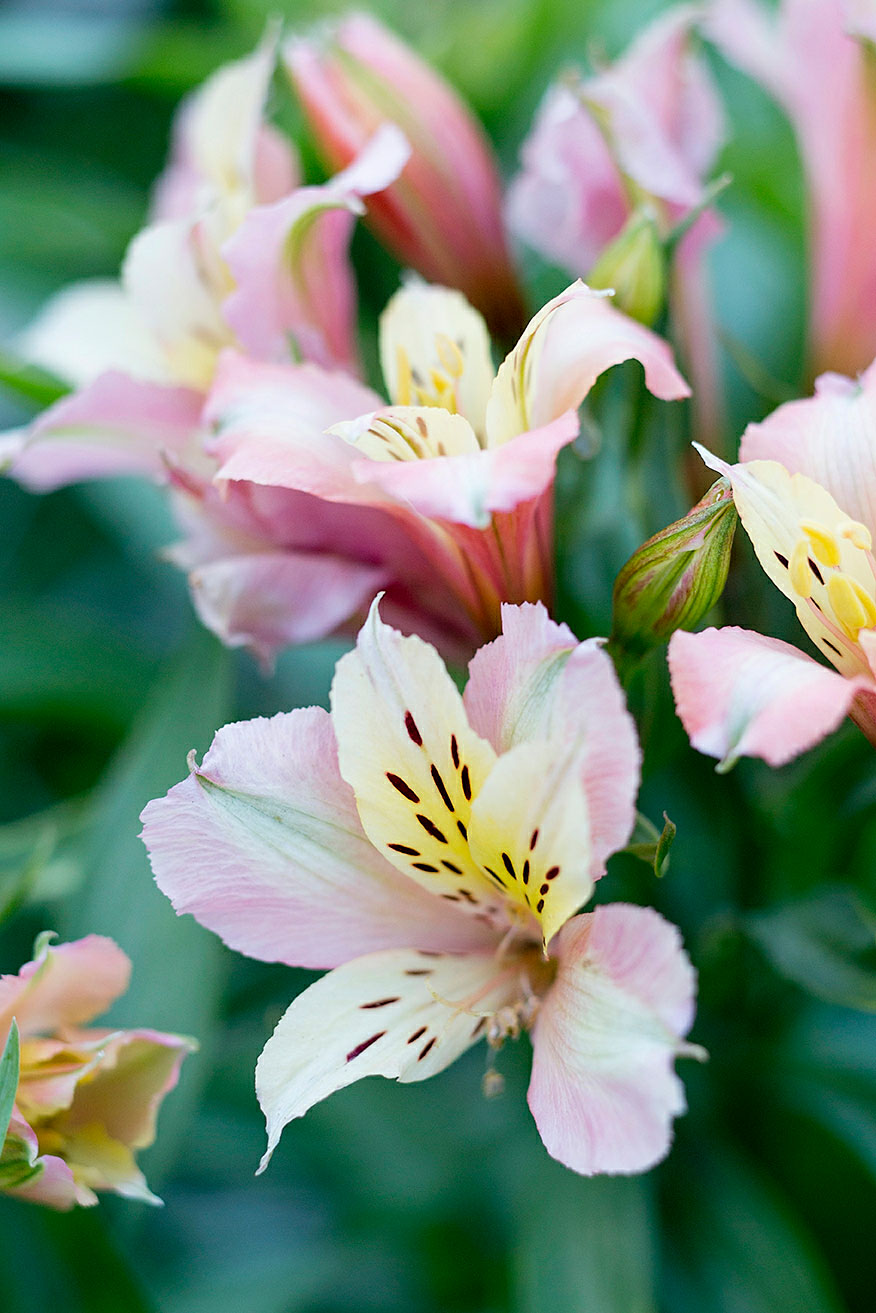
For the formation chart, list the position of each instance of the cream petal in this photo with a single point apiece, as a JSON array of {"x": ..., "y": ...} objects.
[{"x": 401, "y": 1014}]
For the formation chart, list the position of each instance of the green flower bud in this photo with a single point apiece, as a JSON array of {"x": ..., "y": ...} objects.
[
  {"x": 674, "y": 578},
  {"x": 634, "y": 265}
]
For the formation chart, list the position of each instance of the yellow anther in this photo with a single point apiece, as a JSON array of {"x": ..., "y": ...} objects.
[
  {"x": 824, "y": 545},
  {"x": 858, "y": 535},
  {"x": 405, "y": 377},
  {"x": 852, "y": 605},
  {"x": 450, "y": 355},
  {"x": 799, "y": 570}
]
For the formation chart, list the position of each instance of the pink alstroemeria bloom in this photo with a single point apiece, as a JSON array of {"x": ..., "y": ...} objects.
[
  {"x": 443, "y": 217},
  {"x": 238, "y": 255},
  {"x": 643, "y": 132},
  {"x": 806, "y": 494},
  {"x": 434, "y": 850},
  {"x": 815, "y": 58},
  {"x": 87, "y": 1098},
  {"x": 447, "y": 491}
]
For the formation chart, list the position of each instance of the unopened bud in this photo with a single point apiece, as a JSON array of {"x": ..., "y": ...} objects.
[
  {"x": 674, "y": 578},
  {"x": 634, "y": 265}
]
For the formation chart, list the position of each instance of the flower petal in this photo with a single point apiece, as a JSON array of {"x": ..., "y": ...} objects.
[
  {"x": 433, "y": 342},
  {"x": 63, "y": 986},
  {"x": 406, "y": 749},
  {"x": 89, "y": 328},
  {"x": 291, "y": 265},
  {"x": 536, "y": 681},
  {"x": 831, "y": 438},
  {"x": 116, "y": 425},
  {"x": 530, "y": 830},
  {"x": 24, "y": 1174},
  {"x": 271, "y": 422},
  {"x": 571, "y": 341},
  {"x": 399, "y": 1014},
  {"x": 262, "y": 844},
  {"x": 603, "y": 1090},
  {"x": 740, "y": 694},
  {"x": 270, "y": 600}
]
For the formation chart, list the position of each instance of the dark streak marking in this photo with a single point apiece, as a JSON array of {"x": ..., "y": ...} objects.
[
  {"x": 534, "y": 840},
  {"x": 439, "y": 785},
  {"x": 416, "y": 1035},
  {"x": 815, "y": 570},
  {"x": 425, "y": 1049},
  {"x": 431, "y": 828},
  {"x": 462, "y": 830},
  {"x": 366, "y": 1044},
  {"x": 482, "y": 1021},
  {"x": 539, "y": 907},
  {"x": 380, "y": 1002},
  {"x": 509, "y": 866},
  {"x": 466, "y": 783},
  {"x": 421, "y": 427},
  {"x": 419, "y": 971},
  {"x": 833, "y": 647},
  {"x": 489, "y": 870},
  {"x": 454, "y": 751},
  {"x": 404, "y": 789},
  {"x": 413, "y": 732},
  {"x": 469, "y": 896},
  {"x": 552, "y": 873},
  {"x": 451, "y": 898},
  {"x": 782, "y": 560},
  {"x": 451, "y": 866},
  {"x": 404, "y": 848},
  {"x": 525, "y": 872},
  {"x": 544, "y": 888},
  {"x": 425, "y": 866}
]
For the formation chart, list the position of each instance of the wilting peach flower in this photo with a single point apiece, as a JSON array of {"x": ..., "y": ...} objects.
[
  {"x": 238, "y": 254},
  {"x": 445, "y": 494},
  {"x": 806, "y": 495},
  {"x": 443, "y": 217},
  {"x": 87, "y": 1098},
  {"x": 815, "y": 57},
  {"x": 637, "y": 139},
  {"x": 434, "y": 850}
]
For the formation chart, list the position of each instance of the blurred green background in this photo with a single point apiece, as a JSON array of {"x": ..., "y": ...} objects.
[{"x": 425, "y": 1198}]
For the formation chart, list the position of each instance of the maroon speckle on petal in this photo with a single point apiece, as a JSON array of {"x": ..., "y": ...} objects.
[{"x": 366, "y": 1044}]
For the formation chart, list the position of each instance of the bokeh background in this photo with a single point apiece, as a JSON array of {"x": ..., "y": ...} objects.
[{"x": 423, "y": 1198}]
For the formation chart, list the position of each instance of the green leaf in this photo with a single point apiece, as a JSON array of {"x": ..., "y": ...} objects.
[
  {"x": 8, "y": 1079},
  {"x": 652, "y": 845},
  {"x": 733, "y": 1243},
  {"x": 29, "y": 382},
  {"x": 826, "y": 944},
  {"x": 584, "y": 1245},
  {"x": 178, "y": 967}
]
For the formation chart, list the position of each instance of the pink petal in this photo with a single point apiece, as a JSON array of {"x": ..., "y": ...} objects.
[
  {"x": 65, "y": 985},
  {"x": 469, "y": 489},
  {"x": 263, "y": 845},
  {"x": 271, "y": 422},
  {"x": 740, "y": 694},
  {"x": 693, "y": 313},
  {"x": 270, "y": 600},
  {"x": 291, "y": 265},
  {"x": 115, "y": 425},
  {"x": 603, "y": 1090},
  {"x": 52, "y": 1183},
  {"x": 830, "y": 437},
  {"x": 124, "y": 1093},
  {"x": 535, "y": 681}
]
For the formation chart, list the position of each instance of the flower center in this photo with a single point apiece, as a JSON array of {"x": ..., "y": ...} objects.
[
  {"x": 815, "y": 576},
  {"x": 441, "y": 388}
]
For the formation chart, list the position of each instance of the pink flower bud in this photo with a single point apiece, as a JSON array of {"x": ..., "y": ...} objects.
[{"x": 444, "y": 215}]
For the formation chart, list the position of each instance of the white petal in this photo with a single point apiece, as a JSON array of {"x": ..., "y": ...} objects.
[{"x": 399, "y": 1013}]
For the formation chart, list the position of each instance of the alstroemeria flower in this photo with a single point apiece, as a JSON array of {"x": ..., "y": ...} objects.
[
  {"x": 644, "y": 132},
  {"x": 434, "y": 850},
  {"x": 87, "y": 1098},
  {"x": 443, "y": 216},
  {"x": 806, "y": 495},
  {"x": 815, "y": 58},
  {"x": 238, "y": 254},
  {"x": 448, "y": 488}
]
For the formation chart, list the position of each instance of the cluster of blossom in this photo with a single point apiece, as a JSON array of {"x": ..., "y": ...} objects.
[{"x": 433, "y": 850}]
